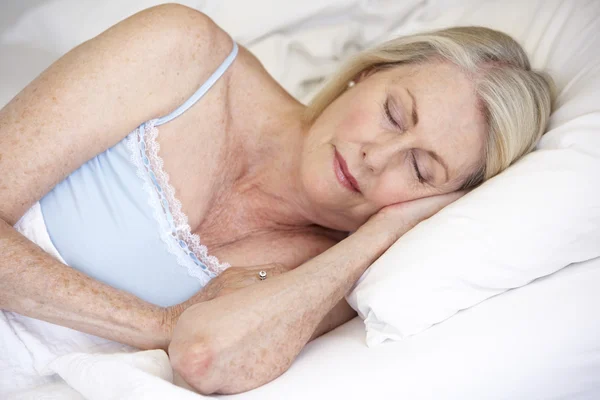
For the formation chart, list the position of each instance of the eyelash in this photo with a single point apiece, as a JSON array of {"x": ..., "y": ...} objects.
[
  {"x": 419, "y": 176},
  {"x": 386, "y": 107}
]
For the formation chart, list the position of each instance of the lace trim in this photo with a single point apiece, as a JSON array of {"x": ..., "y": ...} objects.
[{"x": 174, "y": 228}]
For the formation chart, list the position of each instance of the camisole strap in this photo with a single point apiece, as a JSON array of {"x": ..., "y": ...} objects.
[{"x": 202, "y": 90}]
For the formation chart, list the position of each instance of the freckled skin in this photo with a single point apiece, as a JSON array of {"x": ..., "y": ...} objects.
[
  {"x": 250, "y": 336},
  {"x": 54, "y": 125}
]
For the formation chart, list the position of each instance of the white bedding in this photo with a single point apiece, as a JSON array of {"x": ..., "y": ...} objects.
[
  {"x": 499, "y": 349},
  {"x": 539, "y": 341}
]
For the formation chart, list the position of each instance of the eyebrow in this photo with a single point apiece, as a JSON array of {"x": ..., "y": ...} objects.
[{"x": 415, "y": 113}]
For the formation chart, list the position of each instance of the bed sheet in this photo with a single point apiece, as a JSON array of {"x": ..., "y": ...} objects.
[
  {"x": 535, "y": 342},
  {"x": 538, "y": 341}
]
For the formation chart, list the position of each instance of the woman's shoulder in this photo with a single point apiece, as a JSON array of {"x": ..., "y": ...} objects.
[
  {"x": 145, "y": 64},
  {"x": 191, "y": 41},
  {"x": 193, "y": 45},
  {"x": 176, "y": 21}
]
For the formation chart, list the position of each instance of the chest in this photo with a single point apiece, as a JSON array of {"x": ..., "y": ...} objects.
[
  {"x": 200, "y": 157},
  {"x": 196, "y": 153},
  {"x": 289, "y": 248}
]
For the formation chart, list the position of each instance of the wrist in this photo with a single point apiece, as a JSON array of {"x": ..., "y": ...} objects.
[
  {"x": 170, "y": 315},
  {"x": 167, "y": 321},
  {"x": 383, "y": 229}
]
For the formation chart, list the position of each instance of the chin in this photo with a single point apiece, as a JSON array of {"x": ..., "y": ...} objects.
[{"x": 330, "y": 201}]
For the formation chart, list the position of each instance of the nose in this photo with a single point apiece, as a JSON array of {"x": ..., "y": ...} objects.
[{"x": 378, "y": 156}]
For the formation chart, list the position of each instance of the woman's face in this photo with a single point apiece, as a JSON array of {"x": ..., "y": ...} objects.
[{"x": 402, "y": 133}]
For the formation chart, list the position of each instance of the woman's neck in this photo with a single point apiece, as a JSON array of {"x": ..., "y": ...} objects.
[
  {"x": 269, "y": 183},
  {"x": 260, "y": 189}
]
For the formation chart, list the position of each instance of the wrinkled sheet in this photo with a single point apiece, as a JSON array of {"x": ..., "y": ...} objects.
[{"x": 527, "y": 343}]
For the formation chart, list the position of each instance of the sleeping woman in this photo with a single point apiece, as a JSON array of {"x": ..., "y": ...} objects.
[{"x": 203, "y": 210}]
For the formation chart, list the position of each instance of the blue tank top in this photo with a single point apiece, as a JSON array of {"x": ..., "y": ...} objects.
[{"x": 116, "y": 218}]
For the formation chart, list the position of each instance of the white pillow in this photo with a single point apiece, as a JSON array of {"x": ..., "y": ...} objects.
[{"x": 537, "y": 217}]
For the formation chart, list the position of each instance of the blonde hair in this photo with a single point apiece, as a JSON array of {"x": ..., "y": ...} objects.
[{"x": 516, "y": 101}]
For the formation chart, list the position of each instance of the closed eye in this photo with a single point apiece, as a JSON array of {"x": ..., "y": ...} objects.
[
  {"x": 389, "y": 115},
  {"x": 416, "y": 167}
]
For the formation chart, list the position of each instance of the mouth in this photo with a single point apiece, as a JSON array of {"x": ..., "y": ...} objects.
[{"x": 343, "y": 173}]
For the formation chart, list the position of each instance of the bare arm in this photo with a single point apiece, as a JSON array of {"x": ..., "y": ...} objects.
[
  {"x": 247, "y": 338},
  {"x": 83, "y": 104},
  {"x": 242, "y": 340},
  {"x": 35, "y": 284},
  {"x": 339, "y": 315}
]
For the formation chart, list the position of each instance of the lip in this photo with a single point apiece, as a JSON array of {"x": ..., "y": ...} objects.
[{"x": 343, "y": 173}]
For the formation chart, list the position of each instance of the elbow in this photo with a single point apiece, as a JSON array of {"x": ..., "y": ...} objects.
[
  {"x": 199, "y": 366},
  {"x": 194, "y": 362}
]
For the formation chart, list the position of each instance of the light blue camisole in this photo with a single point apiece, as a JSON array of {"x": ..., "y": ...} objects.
[{"x": 117, "y": 219}]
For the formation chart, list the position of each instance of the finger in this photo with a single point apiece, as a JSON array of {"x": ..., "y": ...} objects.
[
  {"x": 418, "y": 210},
  {"x": 269, "y": 271},
  {"x": 440, "y": 201},
  {"x": 273, "y": 268}
]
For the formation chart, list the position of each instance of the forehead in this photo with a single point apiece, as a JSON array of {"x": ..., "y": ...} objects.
[{"x": 450, "y": 119}]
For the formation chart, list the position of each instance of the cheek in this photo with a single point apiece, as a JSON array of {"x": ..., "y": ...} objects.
[
  {"x": 317, "y": 176},
  {"x": 397, "y": 186},
  {"x": 391, "y": 189},
  {"x": 356, "y": 124}
]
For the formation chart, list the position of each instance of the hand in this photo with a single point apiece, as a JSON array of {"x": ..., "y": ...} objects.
[
  {"x": 229, "y": 281},
  {"x": 397, "y": 219},
  {"x": 236, "y": 278}
]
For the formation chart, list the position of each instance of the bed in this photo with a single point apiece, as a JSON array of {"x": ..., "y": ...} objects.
[{"x": 539, "y": 341}]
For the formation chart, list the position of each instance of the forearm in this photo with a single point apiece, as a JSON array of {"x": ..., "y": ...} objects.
[
  {"x": 34, "y": 284},
  {"x": 247, "y": 338},
  {"x": 338, "y": 315}
]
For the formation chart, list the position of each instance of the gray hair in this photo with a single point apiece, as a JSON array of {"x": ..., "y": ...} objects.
[{"x": 516, "y": 100}]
